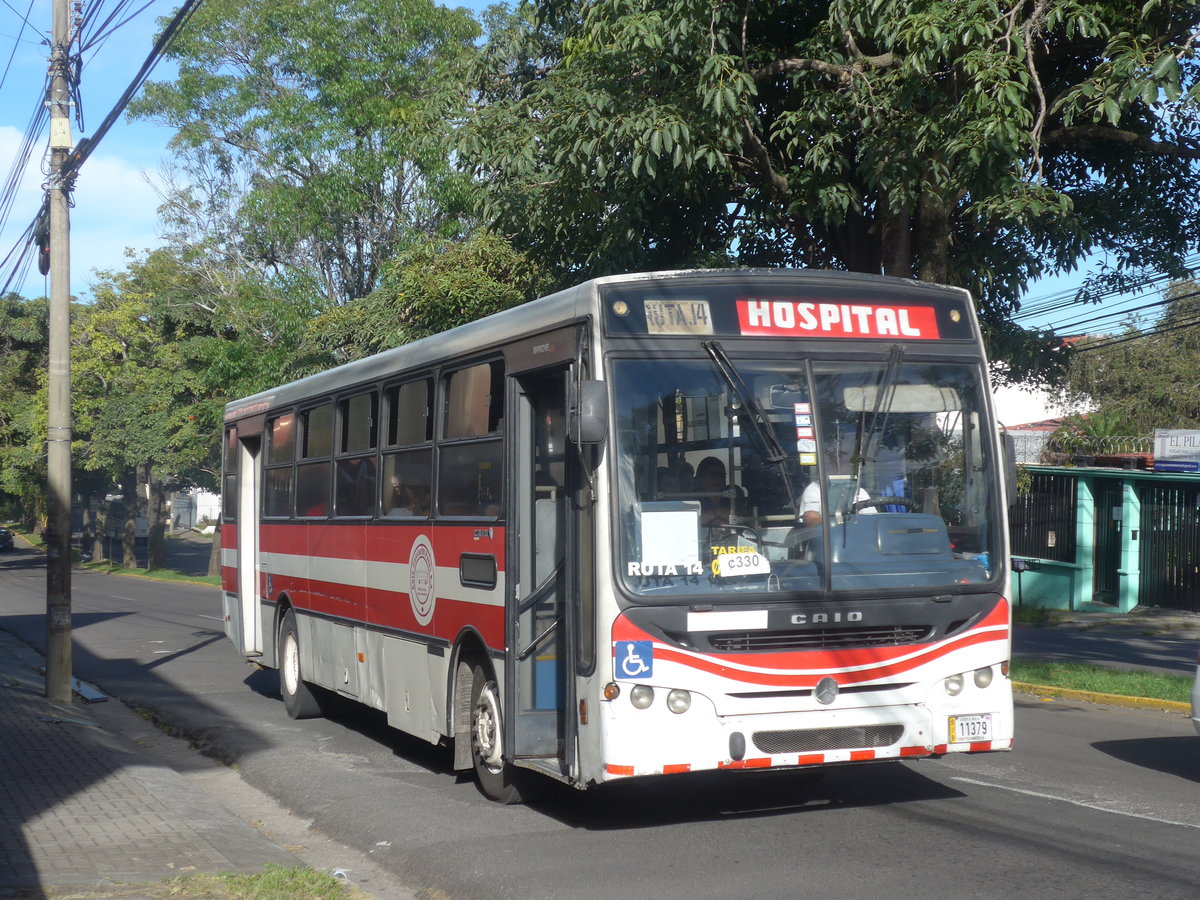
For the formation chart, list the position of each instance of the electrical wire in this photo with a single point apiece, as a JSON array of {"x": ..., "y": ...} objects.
[
  {"x": 12, "y": 182},
  {"x": 16, "y": 41},
  {"x": 1067, "y": 300},
  {"x": 1163, "y": 327},
  {"x": 70, "y": 168},
  {"x": 85, "y": 147}
]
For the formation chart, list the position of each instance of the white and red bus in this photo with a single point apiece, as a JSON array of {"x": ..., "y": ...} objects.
[{"x": 652, "y": 524}]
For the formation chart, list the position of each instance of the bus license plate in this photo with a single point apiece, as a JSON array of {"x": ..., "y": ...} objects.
[{"x": 969, "y": 729}]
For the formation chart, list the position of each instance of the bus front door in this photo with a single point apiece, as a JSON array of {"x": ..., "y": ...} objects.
[
  {"x": 540, "y": 623},
  {"x": 247, "y": 618}
]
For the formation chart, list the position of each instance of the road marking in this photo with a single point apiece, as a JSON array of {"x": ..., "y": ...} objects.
[
  {"x": 1096, "y": 806},
  {"x": 214, "y": 618}
]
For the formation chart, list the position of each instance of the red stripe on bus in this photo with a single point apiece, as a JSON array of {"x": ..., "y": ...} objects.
[
  {"x": 382, "y": 543},
  {"x": 618, "y": 770},
  {"x": 877, "y": 668},
  {"x": 872, "y": 663},
  {"x": 677, "y": 769}
]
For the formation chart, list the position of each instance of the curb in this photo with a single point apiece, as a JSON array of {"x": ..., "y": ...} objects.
[{"x": 1042, "y": 690}]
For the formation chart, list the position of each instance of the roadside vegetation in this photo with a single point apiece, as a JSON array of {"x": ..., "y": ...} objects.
[
  {"x": 111, "y": 567},
  {"x": 273, "y": 883},
  {"x": 1079, "y": 676}
]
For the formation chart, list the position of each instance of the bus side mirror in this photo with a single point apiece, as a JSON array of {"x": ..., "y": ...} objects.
[
  {"x": 1008, "y": 446},
  {"x": 589, "y": 413}
]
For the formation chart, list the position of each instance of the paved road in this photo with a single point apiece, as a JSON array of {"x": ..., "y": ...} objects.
[{"x": 1094, "y": 802}]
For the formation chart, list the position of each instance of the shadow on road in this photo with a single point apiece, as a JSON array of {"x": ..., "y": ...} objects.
[
  {"x": 720, "y": 796},
  {"x": 1169, "y": 755}
]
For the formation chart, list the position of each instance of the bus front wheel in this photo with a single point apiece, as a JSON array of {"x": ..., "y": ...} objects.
[
  {"x": 299, "y": 698},
  {"x": 496, "y": 777}
]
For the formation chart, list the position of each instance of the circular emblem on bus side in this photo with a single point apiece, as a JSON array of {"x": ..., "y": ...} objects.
[{"x": 421, "y": 568}]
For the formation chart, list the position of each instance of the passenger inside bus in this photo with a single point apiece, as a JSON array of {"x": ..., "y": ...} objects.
[
  {"x": 716, "y": 496},
  {"x": 409, "y": 499},
  {"x": 838, "y": 486}
]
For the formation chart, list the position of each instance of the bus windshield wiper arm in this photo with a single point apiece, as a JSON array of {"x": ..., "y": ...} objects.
[
  {"x": 885, "y": 386},
  {"x": 772, "y": 450}
]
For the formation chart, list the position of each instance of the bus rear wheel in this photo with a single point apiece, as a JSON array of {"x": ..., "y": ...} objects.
[
  {"x": 299, "y": 698},
  {"x": 495, "y": 777}
]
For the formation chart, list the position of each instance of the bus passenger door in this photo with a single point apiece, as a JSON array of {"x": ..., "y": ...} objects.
[
  {"x": 541, "y": 618},
  {"x": 246, "y": 619}
]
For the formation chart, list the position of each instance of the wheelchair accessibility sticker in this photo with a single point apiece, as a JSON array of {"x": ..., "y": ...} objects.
[{"x": 635, "y": 659}]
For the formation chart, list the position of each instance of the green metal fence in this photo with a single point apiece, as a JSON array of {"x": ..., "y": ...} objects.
[
  {"x": 1042, "y": 521},
  {"x": 1170, "y": 546}
]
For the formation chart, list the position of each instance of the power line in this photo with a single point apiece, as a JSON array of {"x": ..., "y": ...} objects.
[
  {"x": 1190, "y": 321},
  {"x": 1065, "y": 300},
  {"x": 86, "y": 146},
  {"x": 17, "y": 40}
]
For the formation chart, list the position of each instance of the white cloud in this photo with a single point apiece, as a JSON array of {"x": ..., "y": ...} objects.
[{"x": 115, "y": 208}]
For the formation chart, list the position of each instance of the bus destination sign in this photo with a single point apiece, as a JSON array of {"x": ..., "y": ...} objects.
[
  {"x": 790, "y": 318},
  {"x": 846, "y": 307}
]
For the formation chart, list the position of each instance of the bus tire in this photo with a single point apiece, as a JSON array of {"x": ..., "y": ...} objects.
[
  {"x": 299, "y": 698},
  {"x": 495, "y": 777}
]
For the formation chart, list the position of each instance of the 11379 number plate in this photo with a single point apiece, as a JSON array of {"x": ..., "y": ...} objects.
[{"x": 969, "y": 729}]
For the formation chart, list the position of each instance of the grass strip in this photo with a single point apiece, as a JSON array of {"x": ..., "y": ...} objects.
[{"x": 1080, "y": 676}]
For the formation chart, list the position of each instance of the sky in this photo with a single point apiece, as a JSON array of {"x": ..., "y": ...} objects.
[
  {"x": 115, "y": 203},
  {"x": 115, "y": 196}
]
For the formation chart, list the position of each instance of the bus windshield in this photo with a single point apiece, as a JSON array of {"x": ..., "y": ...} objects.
[{"x": 761, "y": 475}]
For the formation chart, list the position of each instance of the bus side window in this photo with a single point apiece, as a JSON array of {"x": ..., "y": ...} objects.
[
  {"x": 357, "y": 427},
  {"x": 279, "y": 481},
  {"x": 313, "y": 470},
  {"x": 408, "y": 459},
  {"x": 230, "y": 470},
  {"x": 471, "y": 454}
]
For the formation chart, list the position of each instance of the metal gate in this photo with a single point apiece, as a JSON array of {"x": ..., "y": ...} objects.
[
  {"x": 1106, "y": 563},
  {"x": 1042, "y": 521},
  {"x": 1170, "y": 546}
]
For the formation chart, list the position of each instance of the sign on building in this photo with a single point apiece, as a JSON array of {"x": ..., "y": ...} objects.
[{"x": 1176, "y": 451}]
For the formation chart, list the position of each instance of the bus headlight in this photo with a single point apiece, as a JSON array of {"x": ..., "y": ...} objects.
[
  {"x": 983, "y": 677},
  {"x": 954, "y": 685},
  {"x": 641, "y": 696},
  {"x": 678, "y": 701}
]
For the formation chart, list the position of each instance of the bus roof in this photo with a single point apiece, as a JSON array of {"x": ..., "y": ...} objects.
[{"x": 560, "y": 308}]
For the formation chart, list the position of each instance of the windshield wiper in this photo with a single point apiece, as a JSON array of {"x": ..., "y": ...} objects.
[
  {"x": 885, "y": 386},
  {"x": 773, "y": 451}
]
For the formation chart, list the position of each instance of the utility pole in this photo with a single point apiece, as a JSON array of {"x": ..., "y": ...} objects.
[{"x": 58, "y": 436}]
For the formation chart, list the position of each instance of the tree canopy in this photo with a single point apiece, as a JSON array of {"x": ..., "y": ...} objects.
[
  {"x": 1144, "y": 380},
  {"x": 975, "y": 142},
  {"x": 314, "y": 136}
]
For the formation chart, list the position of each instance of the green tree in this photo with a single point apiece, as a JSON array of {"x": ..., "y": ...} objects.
[
  {"x": 315, "y": 135},
  {"x": 430, "y": 288},
  {"x": 1144, "y": 381},
  {"x": 23, "y": 343},
  {"x": 157, "y": 355},
  {"x": 976, "y": 142}
]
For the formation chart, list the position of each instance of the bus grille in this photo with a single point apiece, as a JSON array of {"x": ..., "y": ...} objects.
[
  {"x": 824, "y": 639},
  {"x": 817, "y": 739}
]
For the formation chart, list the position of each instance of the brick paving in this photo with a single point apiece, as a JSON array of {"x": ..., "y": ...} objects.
[{"x": 80, "y": 807}]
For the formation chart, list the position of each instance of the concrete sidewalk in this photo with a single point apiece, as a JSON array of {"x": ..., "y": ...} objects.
[{"x": 86, "y": 808}]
